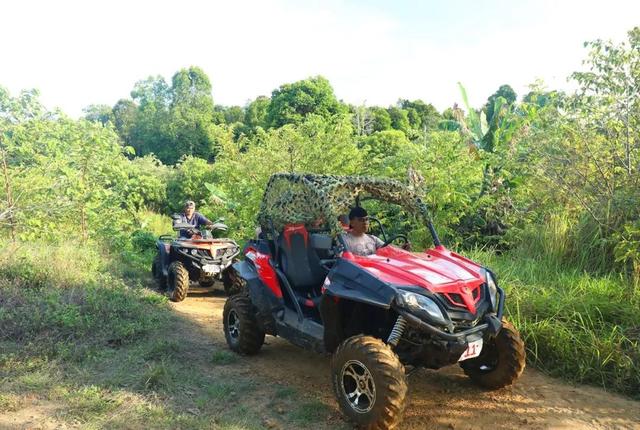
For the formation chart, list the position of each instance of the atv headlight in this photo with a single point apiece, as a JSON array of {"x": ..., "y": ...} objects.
[
  {"x": 493, "y": 290},
  {"x": 421, "y": 306}
]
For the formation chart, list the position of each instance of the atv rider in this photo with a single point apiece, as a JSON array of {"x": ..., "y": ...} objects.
[
  {"x": 191, "y": 217},
  {"x": 356, "y": 240}
]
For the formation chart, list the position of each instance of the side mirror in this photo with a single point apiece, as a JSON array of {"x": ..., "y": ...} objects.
[{"x": 321, "y": 241}]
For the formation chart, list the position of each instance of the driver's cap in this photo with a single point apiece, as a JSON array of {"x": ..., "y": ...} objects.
[
  {"x": 189, "y": 204},
  {"x": 357, "y": 212}
]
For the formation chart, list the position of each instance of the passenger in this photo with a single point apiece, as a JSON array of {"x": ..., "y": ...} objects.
[
  {"x": 356, "y": 240},
  {"x": 344, "y": 222}
]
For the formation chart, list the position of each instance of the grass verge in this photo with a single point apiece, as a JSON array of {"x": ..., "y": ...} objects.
[
  {"x": 81, "y": 347},
  {"x": 576, "y": 325}
]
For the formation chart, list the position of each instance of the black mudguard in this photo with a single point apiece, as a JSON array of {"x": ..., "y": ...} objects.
[{"x": 266, "y": 303}]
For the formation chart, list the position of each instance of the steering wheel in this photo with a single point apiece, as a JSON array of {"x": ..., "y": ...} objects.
[{"x": 393, "y": 238}]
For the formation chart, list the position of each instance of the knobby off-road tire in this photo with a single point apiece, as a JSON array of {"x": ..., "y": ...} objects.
[
  {"x": 232, "y": 281},
  {"x": 159, "y": 280},
  {"x": 241, "y": 329},
  {"x": 369, "y": 382},
  {"x": 501, "y": 361},
  {"x": 177, "y": 282}
]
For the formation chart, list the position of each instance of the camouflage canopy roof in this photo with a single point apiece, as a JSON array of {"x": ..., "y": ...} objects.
[{"x": 317, "y": 200}]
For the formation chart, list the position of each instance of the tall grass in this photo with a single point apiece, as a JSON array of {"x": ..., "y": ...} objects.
[
  {"x": 61, "y": 301},
  {"x": 579, "y": 324}
]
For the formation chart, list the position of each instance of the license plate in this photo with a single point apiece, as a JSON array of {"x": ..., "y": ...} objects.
[
  {"x": 210, "y": 268},
  {"x": 473, "y": 350}
]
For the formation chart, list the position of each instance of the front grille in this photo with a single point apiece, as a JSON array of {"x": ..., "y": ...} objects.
[{"x": 456, "y": 300}]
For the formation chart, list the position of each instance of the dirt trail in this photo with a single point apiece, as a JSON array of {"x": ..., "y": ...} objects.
[{"x": 443, "y": 399}]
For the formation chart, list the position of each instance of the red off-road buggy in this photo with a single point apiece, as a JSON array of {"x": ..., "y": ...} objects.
[{"x": 375, "y": 314}]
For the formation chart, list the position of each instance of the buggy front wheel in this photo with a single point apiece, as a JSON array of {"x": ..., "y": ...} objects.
[
  {"x": 501, "y": 361},
  {"x": 369, "y": 382}
]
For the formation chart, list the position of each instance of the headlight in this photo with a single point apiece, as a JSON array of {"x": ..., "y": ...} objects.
[
  {"x": 421, "y": 306},
  {"x": 493, "y": 290}
]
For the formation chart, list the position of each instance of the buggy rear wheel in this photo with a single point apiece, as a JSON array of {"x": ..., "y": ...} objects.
[
  {"x": 241, "y": 329},
  {"x": 177, "y": 282},
  {"x": 159, "y": 279},
  {"x": 369, "y": 382},
  {"x": 501, "y": 361}
]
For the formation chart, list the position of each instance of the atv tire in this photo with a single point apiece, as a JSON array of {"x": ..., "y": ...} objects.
[
  {"x": 501, "y": 362},
  {"x": 177, "y": 282},
  {"x": 369, "y": 382},
  {"x": 241, "y": 329},
  {"x": 233, "y": 282},
  {"x": 159, "y": 279}
]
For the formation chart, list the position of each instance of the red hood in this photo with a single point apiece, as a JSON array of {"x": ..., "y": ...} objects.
[{"x": 437, "y": 270}]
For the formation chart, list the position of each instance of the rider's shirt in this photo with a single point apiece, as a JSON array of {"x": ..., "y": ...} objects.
[
  {"x": 363, "y": 245},
  {"x": 196, "y": 220}
]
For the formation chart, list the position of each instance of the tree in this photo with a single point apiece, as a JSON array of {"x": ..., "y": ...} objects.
[
  {"x": 14, "y": 111},
  {"x": 506, "y": 92},
  {"x": 99, "y": 113},
  {"x": 124, "y": 117},
  {"x": 192, "y": 116},
  {"x": 291, "y": 103},
  {"x": 381, "y": 118},
  {"x": 314, "y": 146},
  {"x": 389, "y": 153},
  {"x": 496, "y": 111},
  {"x": 362, "y": 119},
  {"x": 592, "y": 160},
  {"x": 422, "y": 116},
  {"x": 149, "y": 132},
  {"x": 256, "y": 113},
  {"x": 399, "y": 119}
]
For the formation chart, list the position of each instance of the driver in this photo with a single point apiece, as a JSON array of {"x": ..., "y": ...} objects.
[
  {"x": 356, "y": 240},
  {"x": 191, "y": 217}
]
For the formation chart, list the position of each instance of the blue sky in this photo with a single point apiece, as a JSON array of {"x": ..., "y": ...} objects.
[{"x": 84, "y": 52}]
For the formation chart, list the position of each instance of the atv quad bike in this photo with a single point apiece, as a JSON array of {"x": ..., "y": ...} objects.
[
  {"x": 200, "y": 258},
  {"x": 374, "y": 314}
]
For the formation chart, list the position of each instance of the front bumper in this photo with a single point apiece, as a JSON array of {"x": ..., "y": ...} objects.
[{"x": 491, "y": 324}]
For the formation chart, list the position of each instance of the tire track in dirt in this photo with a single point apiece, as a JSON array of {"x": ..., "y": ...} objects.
[{"x": 443, "y": 399}]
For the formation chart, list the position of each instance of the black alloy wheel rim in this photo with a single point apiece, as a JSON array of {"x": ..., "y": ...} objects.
[
  {"x": 233, "y": 326},
  {"x": 358, "y": 386}
]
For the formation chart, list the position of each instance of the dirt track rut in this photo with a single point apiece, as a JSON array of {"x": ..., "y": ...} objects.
[{"x": 443, "y": 399}]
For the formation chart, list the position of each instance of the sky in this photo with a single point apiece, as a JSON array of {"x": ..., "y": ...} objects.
[{"x": 373, "y": 52}]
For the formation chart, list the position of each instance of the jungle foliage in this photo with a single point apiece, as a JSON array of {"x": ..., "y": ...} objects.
[{"x": 497, "y": 177}]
